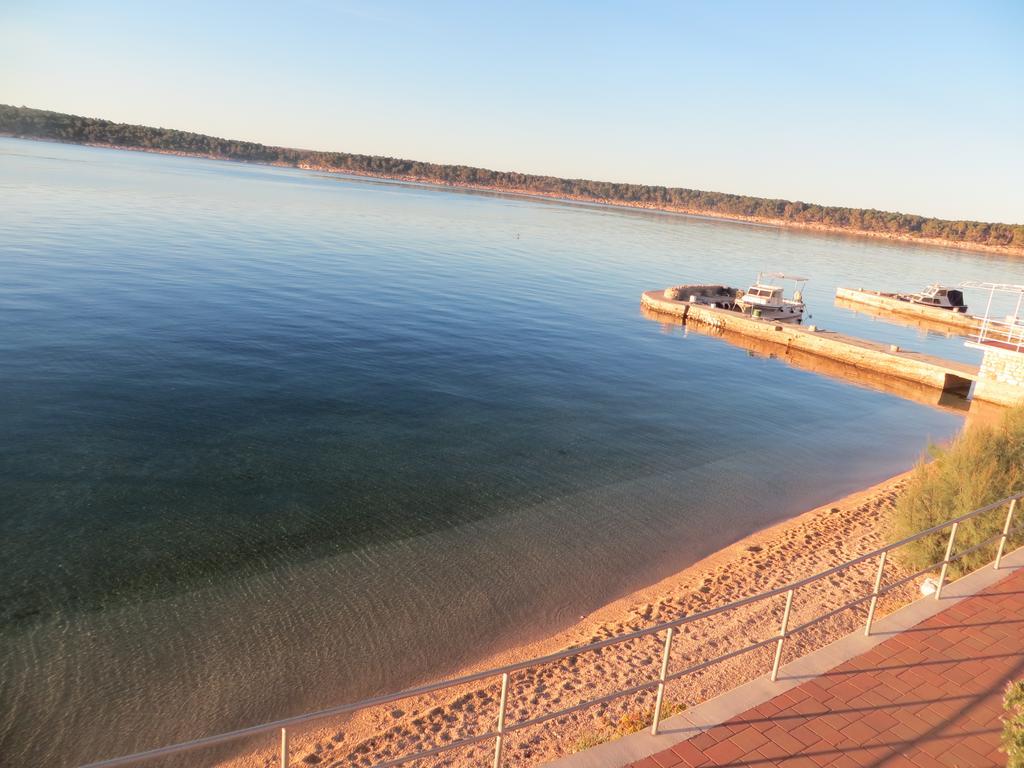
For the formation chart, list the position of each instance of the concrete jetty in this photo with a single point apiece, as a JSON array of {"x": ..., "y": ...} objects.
[
  {"x": 960, "y": 322},
  {"x": 883, "y": 359}
]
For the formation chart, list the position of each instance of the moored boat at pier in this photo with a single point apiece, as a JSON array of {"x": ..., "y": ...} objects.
[
  {"x": 938, "y": 297},
  {"x": 936, "y": 304},
  {"x": 763, "y": 300},
  {"x": 767, "y": 300}
]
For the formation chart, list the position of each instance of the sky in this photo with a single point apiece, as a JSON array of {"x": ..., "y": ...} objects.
[{"x": 907, "y": 106}]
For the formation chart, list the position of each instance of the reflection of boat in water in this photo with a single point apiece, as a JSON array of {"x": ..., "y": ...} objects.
[
  {"x": 923, "y": 324},
  {"x": 763, "y": 300}
]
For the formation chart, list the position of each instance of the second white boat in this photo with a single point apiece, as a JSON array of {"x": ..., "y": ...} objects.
[{"x": 767, "y": 300}]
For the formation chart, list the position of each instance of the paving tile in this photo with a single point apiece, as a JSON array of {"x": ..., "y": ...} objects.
[
  {"x": 880, "y": 720},
  {"x": 782, "y": 738},
  {"x": 886, "y": 690},
  {"x": 807, "y": 706},
  {"x": 750, "y": 739},
  {"x": 826, "y": 731},
  {"x": 798, "y": 761},
  {"x": 967, "y": 756},
  {"x": 901, "y": 733},
  {"x": 804, "y": 734},
  {"x": 666, "y": 759},
  {"x": 815, "y": 691},
  {"x": 724, "y": 752},
  {"x": 978, "y": 744},
  {"x": 719, "y": 733},
  {"x": 691, "y": 756},
  {"x": 842, "y": 761},
  {"x": 896, "y": 760},
  {"x": 757, "y": 760},
  {"x": 858, "y": 734}
]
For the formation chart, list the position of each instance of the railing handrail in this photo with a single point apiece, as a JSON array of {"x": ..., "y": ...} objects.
[
  {"x": 375, "y": 701},
  {"x": 1009, "y": 332}
]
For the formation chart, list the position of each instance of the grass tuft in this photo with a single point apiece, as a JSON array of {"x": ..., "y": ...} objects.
[{"x": 631, "y": 722}]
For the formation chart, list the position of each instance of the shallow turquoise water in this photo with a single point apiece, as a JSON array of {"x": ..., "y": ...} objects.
[{"x": 275, "y": 440}]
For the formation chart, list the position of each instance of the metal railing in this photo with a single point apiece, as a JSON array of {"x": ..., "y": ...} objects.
[
  {"x": 1008, "y": 334},
  {"x": 503, "y": 729}
]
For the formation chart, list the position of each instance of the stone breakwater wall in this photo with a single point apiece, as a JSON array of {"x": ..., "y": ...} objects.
[
  {"x": 856, "y": 353},
  {"x": 1001, "y": 377},
  {"x": 961, "y": 321}
]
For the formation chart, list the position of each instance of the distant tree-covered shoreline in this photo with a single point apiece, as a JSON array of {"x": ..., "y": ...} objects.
[{"x": 56, "y": 126}]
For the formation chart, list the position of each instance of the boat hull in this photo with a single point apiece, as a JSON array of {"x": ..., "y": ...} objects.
[{"x": 788, "y": 313}]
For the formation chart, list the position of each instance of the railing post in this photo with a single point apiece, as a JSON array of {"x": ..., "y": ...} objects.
[
  {"x": 874, "y": 592},
  {"x": 1006, "y": 532},
  {"x": 501, "y": 721},
  {"x": 1016, "y": 321},
  {"x": 661, "y": 682},
  {"x": 988, "y": 311},
  {"x": 782, "y": 636},
  {"x": 284, "y": 748},
  {"x": 945, "y": 561}
]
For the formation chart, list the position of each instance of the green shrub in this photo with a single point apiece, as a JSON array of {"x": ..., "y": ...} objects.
[
  {"x": 983, "y": 464},
  {"x": 1013, "y": 725}
]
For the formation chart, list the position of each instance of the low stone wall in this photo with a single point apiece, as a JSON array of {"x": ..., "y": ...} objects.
[
  {"x": 684, "y": 292},
  {"x": 1001, "y": 377}
]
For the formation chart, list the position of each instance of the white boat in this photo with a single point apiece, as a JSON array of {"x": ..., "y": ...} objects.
[
  {"x": 938, "y": 296},
  {"x": 767, "y": 301}
]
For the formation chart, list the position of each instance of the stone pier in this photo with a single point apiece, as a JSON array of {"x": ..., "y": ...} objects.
[{"x": 881, "y": 359}]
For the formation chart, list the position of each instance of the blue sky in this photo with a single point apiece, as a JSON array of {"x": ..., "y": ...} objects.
[{"x": 902, "y": 105}]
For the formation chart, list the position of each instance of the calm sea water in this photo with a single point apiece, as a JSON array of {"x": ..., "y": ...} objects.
[{"x": 273, "y": 440}]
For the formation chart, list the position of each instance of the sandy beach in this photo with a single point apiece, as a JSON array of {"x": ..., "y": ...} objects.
[{"x": 799, "y": 547}]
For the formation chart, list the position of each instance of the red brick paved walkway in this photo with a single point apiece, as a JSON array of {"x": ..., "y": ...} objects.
[{"x": 930, "y": 696}]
